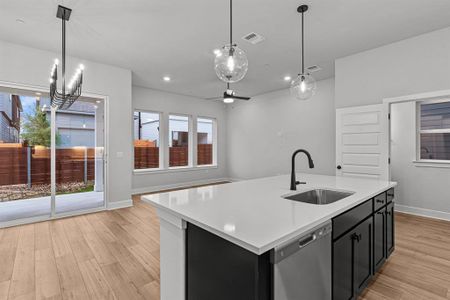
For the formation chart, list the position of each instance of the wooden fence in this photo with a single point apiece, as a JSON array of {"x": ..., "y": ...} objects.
[
  {"x": 29, "y": 165},
  {"x": 148, "y": 157}
]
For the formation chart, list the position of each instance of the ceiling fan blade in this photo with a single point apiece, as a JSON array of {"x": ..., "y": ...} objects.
[
  {"x": 214, "y": 98},
  {"x": 241, "y": 98}
]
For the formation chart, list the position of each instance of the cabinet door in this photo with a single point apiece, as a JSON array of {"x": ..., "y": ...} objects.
[
  {"x": 363, "y": 254},
  {"x": 390, "y": 229},
  {"x": 343, "y": 258},
  {"x": 379, "y": 238}
]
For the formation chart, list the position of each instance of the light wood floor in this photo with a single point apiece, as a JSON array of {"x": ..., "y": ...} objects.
[
  {"x": 419, "y": 268},
  {"x": 115, "y": 255}
]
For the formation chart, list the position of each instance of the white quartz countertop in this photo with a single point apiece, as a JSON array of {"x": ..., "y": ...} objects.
[{"x": 253, "y": 214}]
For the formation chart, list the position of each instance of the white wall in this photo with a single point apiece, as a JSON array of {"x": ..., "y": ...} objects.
[
  {"x": 415, "y": 65},
  {"x": 419, "y": 187},
  {"x": 152, "y": 100},
  {"x": 265, "y": 131},
  {"x": 31, "y": 67}
]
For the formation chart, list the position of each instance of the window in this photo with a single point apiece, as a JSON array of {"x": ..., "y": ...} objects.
[
  {"x": 434, "y": 131},
  {"x": 146, "y": 140},
  {"x": 205, "y": 144},
  {"x": 178, "y": 141}
]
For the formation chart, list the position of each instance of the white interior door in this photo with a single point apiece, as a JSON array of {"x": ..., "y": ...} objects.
[{"x": 362, "y": 147}]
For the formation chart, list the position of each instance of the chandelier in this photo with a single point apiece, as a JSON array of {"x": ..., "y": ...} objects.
[{"x": 70, "y": 93}]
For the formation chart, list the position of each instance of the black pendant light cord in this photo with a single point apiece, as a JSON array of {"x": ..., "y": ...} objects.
[
  {"x": 231, "y": 23},
  {"x": 63, "y": 58},
  {"x": 303, "y": 43}
]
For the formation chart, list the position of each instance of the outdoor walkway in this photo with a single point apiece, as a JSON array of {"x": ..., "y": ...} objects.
[{"x": 19, "y": 209}]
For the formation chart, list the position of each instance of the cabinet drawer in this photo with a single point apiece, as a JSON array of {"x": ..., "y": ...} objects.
[
  {"x": 379, "y": 201},
  {"x": 349, "y": 219},
  {"x": 390, "y": 195}
]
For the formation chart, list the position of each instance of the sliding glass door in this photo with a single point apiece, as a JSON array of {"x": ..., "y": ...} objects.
[
  {"x": 40, "y": 179},
  {"x": 79, "y": 165},
  {"x": 25, "y": 191}
]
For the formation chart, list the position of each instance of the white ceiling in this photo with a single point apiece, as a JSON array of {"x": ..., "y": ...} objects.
[{"x": 176, "y": 38}]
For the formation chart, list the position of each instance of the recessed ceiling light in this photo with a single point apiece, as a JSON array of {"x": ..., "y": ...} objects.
[
  {"x": 98, "y": 101},
  {"x": 38, "y": 94},
  {"x": 287, "y": 78},
  {"x": 166, "y": 78}
]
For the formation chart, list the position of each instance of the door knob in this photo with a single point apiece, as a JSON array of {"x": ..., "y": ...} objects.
[{"x": 339, "y": 167}]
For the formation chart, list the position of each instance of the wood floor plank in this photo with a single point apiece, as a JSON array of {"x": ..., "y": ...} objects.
[
  {"x": 47, "y": 280},
  {"x": 4, "y": 290},
  {"x": 119, "y": 282},
  {"x": 96, "y": 283},
  {"x": 100, "y": 249},
  {"x": 8, "y": 247},
  {"x": 22, "y": 281},
  {"x": 71, "y": 281},
  {"x": 78, "y": 244},
  {"x": 43, "y": 239},
  {"x": 61, "y": 245},
  {"x": 150, "y": 291}
]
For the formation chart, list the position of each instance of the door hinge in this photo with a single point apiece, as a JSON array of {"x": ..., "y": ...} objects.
[
  {"x": 389, "y": 160},
  {"x": 389, "y": 116}
]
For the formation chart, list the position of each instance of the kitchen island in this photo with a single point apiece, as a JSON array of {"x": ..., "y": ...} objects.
[{"x": 249, "y": 219}]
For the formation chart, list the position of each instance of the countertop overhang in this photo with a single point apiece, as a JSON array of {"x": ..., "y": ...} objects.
[{"x": 253, "y": 213}]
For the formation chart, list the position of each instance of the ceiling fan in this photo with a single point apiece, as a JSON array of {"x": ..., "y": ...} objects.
[{"x": 229, "y": 96}]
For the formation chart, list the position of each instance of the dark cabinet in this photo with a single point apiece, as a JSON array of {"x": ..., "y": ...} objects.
[
  {"x": 352, "y": 261},
  {"x": 363, "y": 254},
  {"x": 379, "y": 238},
  {"x": 389, "y": 229},
  {"x": 363, "y": 238}
]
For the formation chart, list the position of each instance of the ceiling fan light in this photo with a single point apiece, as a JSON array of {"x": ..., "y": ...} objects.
[
  {"x": 231, "y": 66},
  {"x": 303, "y": 87},
  {"x": 228, "y": 100}
]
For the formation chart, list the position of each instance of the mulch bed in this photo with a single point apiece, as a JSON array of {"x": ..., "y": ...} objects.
[{"x": 21, "y": 191}]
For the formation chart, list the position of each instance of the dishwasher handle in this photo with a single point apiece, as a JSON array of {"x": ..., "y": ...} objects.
[
  {"x": 282, "y": 252},
  {"x": 307, "y": 240}
]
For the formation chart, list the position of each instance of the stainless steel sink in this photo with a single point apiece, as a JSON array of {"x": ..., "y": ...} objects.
[{"x": 319, "y": 196}]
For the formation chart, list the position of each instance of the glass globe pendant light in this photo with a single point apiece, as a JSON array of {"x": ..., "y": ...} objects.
[
  {"x": 304, "y": 86},
  {"x": 231, "y": 63}
]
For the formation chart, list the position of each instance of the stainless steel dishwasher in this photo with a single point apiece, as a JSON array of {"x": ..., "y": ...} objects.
[{"x": 302, "y": 266}]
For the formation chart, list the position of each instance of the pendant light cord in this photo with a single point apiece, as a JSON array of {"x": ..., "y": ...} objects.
[
  {"x": 63, "y": 58},
  {"x": 231, "y": 23},
  {"x": 303, "y": 43}
]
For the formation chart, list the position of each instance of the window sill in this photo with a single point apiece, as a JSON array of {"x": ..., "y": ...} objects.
[
  {"x": 173, "y": 170},
  {"x": 429, "y": 163}
]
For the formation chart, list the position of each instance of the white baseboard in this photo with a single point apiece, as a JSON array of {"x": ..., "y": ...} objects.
[
  {"x": 120, "y": 204},
  {"x": 156, "y": 188},
  {"x": 435, "y": 214}
]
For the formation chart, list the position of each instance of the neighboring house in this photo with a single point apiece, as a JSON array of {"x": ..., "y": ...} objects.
[
  {"x": 75, "y": 126},
  {"x": 10, "y": 109}
]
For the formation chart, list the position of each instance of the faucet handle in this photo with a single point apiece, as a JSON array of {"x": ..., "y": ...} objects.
[{"x": 300, "y": 182}]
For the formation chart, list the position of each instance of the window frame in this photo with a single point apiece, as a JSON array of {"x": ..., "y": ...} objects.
[
  {"x": 160, "y": 150},
  {"x": 190, "y": 142},
  {"x": 418, "y": 160},
  {"x": 214, "y": 141},
  {"x": 164, "y": 130}
]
